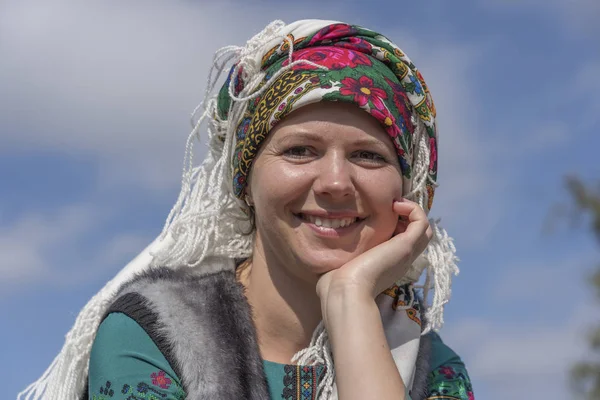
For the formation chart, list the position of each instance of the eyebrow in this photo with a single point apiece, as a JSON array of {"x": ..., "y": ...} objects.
[
  {"x": 315, "y": 137},
  {"x": 312, "y": 136}
]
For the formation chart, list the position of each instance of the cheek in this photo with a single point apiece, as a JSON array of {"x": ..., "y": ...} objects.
[
  {"x": 277, "y": 186},
  {"x": 381, "y": 186}
]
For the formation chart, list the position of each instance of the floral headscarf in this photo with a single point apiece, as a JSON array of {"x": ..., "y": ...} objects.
[{"x": 345, "y": 63}]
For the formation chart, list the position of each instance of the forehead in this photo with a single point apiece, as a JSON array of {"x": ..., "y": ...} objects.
[{"x": 330, "y": 117}]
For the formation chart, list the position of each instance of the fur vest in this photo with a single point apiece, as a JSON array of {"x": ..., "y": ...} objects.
[{"x": 202, "y": 323}]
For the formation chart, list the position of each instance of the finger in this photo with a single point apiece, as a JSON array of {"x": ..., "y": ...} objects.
[
  {"x": 409, "y": 209},
  {"x": 401, "y": 226},
  {"x": 403, "y": 211},
  {"x": 394, "y": 256},
  {"x": 414, "y": 217}
]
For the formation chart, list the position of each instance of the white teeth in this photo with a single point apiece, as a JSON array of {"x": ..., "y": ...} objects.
[{"x": 330, "y": 223}]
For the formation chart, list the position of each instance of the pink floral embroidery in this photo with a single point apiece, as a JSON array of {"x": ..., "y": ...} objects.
[
  {"x": 333, "y": 58},
  {"x": 448, "y": 372},
  {"x": 160, "y": 379},
  {"x": 433, "y": 153},
  {"x": 331, "y": 32}
]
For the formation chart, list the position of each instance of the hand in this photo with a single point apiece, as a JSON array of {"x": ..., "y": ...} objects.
[{"x": 378, "y": 268}]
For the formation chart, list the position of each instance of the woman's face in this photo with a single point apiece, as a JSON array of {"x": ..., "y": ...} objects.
[{"x": 323, "y": 185}]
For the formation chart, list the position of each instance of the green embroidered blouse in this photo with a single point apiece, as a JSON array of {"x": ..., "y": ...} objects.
[{"x": 126, "y": 364}]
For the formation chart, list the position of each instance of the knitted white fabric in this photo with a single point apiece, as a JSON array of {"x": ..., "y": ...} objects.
[{"x": 207, "y": 218}]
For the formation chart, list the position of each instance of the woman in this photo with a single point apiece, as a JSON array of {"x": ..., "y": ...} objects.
[{"x": 305, "y": 228}]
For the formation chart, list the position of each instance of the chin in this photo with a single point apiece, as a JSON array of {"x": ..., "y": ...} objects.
[{"x": 320, "y": 263}]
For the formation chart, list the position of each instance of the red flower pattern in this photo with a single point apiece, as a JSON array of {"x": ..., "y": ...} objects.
[
  {"x": 363, "y": 90},
  {"x": 334, "y": 58},
  {"x": 432, "y": 154},
  {"x": 160, "y": 379},
  {"x": 388, "y": 121},
  {"x": 402, "y": 103},
  {"x": 356, "y": 44},
  {"x": 447, "y": 371},
  {"x": 330, "y": 32}
]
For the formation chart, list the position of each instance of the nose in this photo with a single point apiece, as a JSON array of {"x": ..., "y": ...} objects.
[{"x": 334, "y": 177}]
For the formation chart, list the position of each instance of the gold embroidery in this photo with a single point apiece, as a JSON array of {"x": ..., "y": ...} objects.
[{"x": 261, "y": 117}]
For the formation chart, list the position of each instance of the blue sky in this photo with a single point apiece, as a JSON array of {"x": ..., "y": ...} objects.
[{"x": 94, "y": 105}]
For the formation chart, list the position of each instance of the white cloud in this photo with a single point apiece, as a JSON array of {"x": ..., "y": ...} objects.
[
  {"x": 581, "y": 93},
  {"x": 541, "y": 137},
  {"x": 526, "y": 282},
  {"x": 23, "y": 244},
  {"x": 103, "y": 262},
  {"x": 537, "y": 331},
  {"x": 47, "y": 247},
  {"x": 523, "y": 361},
  {"x": 113, "y": 80}
]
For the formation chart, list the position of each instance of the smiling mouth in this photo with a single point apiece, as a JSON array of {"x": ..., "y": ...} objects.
[{"x": 333, "y": 223}]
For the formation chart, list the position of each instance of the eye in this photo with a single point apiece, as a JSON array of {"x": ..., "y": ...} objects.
[
  {"x": 370, "y": 156},
  {"x": 298, "y": 152}
]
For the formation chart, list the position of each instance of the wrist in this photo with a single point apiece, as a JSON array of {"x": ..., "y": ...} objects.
[
  {"x": 346, "y": 291},
  {"x": 347, "y": 296},
  {"x": 346, "y": 308}
]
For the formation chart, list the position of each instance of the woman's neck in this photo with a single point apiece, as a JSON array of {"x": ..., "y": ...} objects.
[{"x": 286, "y": 310}]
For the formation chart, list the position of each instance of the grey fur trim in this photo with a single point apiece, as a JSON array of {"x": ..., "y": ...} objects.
[
  {"x": 420, "y": 386},
  {"x": 207, "y": 321}
]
